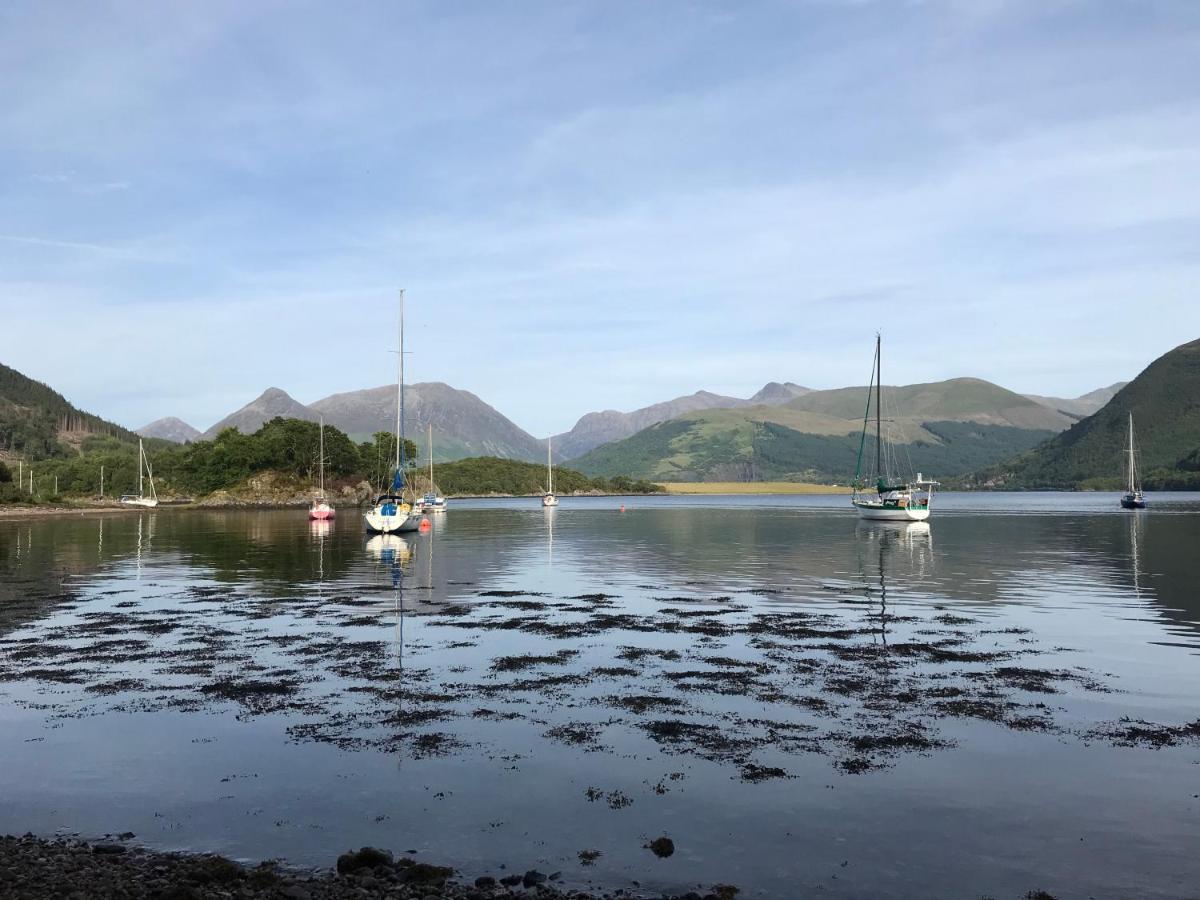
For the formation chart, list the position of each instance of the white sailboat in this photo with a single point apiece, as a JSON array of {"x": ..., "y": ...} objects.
[
  {"x": 140, "y": 498},
  {"x": 432, "y": 502},
  {"x": 549, "y": 498},
  {"x": 892, "y": 499},
  {"x": 320, "y": 508},
  {"x": 390, "y": 511},
  {"x": 1133, "y": 498}
]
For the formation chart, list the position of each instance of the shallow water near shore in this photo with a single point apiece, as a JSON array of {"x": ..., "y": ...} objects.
[{"x": 1000, "y": 701}]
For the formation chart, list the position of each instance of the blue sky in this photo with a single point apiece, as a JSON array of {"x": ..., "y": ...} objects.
[{"x": 592, "y": 205}]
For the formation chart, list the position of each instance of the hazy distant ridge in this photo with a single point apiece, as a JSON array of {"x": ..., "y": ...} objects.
[
  {"x": 597, "y": 428},
  {"x": 170, "y": 429}
]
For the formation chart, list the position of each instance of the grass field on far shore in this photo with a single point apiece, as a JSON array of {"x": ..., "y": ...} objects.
[{"x": 751, "y": 487}]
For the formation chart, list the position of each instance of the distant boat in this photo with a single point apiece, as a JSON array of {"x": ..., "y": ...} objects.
[
  {"x": 320, "y": 508},
  {"x": 432, "y": 502},
  {"x": 390, "y": 511},
  {"x": 140, "y": 498},
  {"x": 549, "y": 498},
  {"x": 1133, "y": 498},
  {"x": 893, "y": 498}
]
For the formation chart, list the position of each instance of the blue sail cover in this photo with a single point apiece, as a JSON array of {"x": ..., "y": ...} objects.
[{"x": 398, "y": 480}]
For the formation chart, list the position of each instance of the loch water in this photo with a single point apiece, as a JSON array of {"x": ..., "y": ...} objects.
[{"x": 1000, "y": 701}]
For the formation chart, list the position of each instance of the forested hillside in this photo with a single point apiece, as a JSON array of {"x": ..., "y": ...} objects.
[
  {"x": 1164, "y": 401},
  {"x": 37, "y": 422}
]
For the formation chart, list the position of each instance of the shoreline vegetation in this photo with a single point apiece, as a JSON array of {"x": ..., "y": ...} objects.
[
  {"x": 70, "y": 867},
  {"x": 277, "y": 466},
  {"x": 751, "y": 487}
]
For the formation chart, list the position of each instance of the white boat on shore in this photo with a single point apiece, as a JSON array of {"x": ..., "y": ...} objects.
[
  {"x": 891, "y": 498},
  {"x": 140, "y": 498}
]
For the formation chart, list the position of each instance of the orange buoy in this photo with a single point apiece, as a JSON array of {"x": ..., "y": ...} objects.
[{"x": 425, "y": 525}]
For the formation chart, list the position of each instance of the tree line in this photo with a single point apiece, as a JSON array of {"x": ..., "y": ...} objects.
[{"x": 287, "y": 446}]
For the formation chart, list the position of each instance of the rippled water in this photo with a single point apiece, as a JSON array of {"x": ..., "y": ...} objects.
[{"x": 992, "y": 704}]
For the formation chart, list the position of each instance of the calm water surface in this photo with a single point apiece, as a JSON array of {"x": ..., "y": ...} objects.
[{"x": 806, "y": 704}]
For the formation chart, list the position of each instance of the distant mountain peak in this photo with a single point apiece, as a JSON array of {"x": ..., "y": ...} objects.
[
  {"x": 1084, "y": 404},
  {"x": 776, "y": 392},
  {"x": 266, "y": 406},
  {"x": 596, "y": 428},
  {"x": 169, "y": 428}
]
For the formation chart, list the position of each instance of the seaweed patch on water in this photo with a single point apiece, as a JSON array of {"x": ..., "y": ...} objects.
[
  {"x": 742, "y": 685},
  {"x": 1127, "y": 732}
]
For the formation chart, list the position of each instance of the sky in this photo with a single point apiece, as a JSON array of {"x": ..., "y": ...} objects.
[{"x": 592, "y": 205}]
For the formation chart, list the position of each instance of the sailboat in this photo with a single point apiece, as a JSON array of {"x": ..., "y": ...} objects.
[
  {"x": 549, "y": 498},
  {"x": 893, "y": 499},
  {"x": 390, "y": 511},
  {"x": 1133, "y": 498},
  {"x": 320, "y": 508},
  {"x": 140, "y": 498},
  {"x": 432, "y": 502}
]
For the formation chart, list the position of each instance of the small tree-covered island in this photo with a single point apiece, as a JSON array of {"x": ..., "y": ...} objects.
[{"x": 278, "y": 464}]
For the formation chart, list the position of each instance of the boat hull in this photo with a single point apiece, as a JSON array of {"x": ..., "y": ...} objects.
[
  {"x": 1132, "y": 503},
  {"x": 549, "y": 500},
  {"x": 377, "y": 523},
  {"x": 141, "y": 501},
  {"x": 881, "y": 513},
  {"x": 321, "y": 513}
]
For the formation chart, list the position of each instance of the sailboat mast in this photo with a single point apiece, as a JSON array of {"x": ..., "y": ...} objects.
[
  {"x": 141, "y": 456},
  {"x": 1131, "y": 453},
  {"x": 321, "y": 450},
  {"x": 878, "y": 404},
  {"x": 400, "y": 385},
  {"x": 431, "y": 458},
  {"x": 549, "y": 466}
]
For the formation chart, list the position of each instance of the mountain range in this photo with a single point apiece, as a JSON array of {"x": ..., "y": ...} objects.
[
  {"x": 597, "y": 428},
  {"x": 784, "y": 430},
  {"x": 953, "y": 427},
  {"x": 463, "y": 425}
]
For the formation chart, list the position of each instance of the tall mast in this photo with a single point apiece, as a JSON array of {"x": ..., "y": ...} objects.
[
  {"x": 1131, "y": 453},
  {"x": 878, "y": 404},
  {"x": 321, "y": 445},
  {"x": 141, "y": 455},
  {"x": 549, "y": 466},
  {"x": 431, "y": 458},
  {"x": 400, "y": 386}
]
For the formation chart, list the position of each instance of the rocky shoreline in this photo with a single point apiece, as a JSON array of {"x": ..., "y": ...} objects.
[{"x": 70, "y": 868}]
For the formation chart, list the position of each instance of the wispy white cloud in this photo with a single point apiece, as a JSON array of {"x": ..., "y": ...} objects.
[{"x": 658, "y": 198}]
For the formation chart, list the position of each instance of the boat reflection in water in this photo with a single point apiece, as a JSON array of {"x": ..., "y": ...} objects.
[
  {"x": 913, "y": 538},
  {"x": 389, "y": 548}
]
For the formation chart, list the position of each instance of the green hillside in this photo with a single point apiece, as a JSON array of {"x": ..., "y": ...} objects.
[
  {"x": 725, "y": 447},
  {"x": 37, "y": 422},
  {"x": 1165, "y": 402},
  {"x": 958, "y": 399}
]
